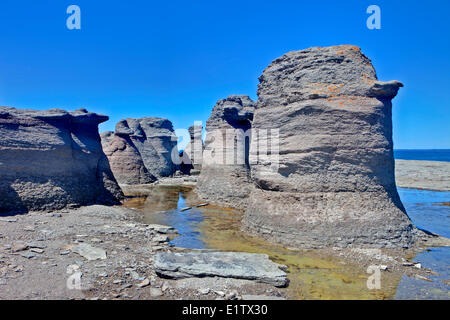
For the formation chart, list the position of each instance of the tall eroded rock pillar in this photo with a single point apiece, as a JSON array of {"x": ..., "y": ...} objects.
[
  {"x": 225, "y": 174},
  {"x": 334, "y": 184}
]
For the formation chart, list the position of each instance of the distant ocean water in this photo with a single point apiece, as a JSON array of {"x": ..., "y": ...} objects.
[
  {"x": 428, "y": 155},
  {"x": 427, "y": 211}
]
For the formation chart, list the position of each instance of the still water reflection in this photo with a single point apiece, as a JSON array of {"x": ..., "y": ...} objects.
[
  {"x": 311, "y": 276},
  {"x": 163, "y": 206},
  {"x": 429, "y": 210}
]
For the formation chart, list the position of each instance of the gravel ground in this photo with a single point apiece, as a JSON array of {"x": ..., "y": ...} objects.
[
  {"x": 37, "y": 260},
  {"x": 40, "y": 258}
]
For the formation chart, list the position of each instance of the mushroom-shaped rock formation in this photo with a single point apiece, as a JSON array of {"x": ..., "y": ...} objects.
[
  {"x": 225, "y": 176},
  {"x": 333, "y": 183},
  {"x": 53, "y": 159}
]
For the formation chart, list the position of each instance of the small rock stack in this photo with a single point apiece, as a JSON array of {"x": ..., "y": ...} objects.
[
  {"x": 140, "y": 150},
  {"x": 193, "y": 152},
  {"x": 195, "y": 148},
  {"x": 225, "y": 175}
]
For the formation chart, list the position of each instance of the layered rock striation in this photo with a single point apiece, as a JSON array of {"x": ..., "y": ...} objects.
[
  {"x": 140, "y": 150},
  {"x": 225, "y": 173},
  {"x": 332, "y": 182},
  {"x": 125, "y": 160},
  {"x": 53, "y": 159}
]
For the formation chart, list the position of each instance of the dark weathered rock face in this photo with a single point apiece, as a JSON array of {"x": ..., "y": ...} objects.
[
  {"x": 53, "y": 159},
  {"x": 140, "y": 150},
  {"x": 225, "y": 175},
  {"x": 334, "y": 184},
  {"x": 125, "y": 160}
]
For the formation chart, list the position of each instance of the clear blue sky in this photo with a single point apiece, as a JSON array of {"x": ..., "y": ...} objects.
[{"x": 174, "y": 59}]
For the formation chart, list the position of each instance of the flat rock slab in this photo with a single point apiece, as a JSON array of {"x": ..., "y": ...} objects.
[
  {"x": 89, "y": 252},
  {"x": 162, "y": 229},
  {"x": 236, "y": 265},
  {"x": 259, "y": 297},
  {"x": 8, "y": 219},
  {"x": 160, "y": 238}
]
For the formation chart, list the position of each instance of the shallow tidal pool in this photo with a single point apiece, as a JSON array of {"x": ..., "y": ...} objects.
[
  {"x": 312, "y": 274},
  {"x": 429, "y": 210}
]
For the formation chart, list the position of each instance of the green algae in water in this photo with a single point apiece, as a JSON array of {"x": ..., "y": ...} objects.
[{"x": 311, "y": 275}]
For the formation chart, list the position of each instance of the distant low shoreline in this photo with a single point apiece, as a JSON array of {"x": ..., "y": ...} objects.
[{"x": 424, "y": 175}]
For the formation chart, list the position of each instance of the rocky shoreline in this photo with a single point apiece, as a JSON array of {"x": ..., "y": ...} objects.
[
  {"x": 310, "y": 162},
  {"x": 115, "y": 254},
  {"x": 39, "y": 252},
  {"x": 308, "y": 167}
]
